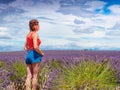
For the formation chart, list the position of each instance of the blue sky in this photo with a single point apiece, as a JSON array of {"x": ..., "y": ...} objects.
[{"x": 65, "y": 24}]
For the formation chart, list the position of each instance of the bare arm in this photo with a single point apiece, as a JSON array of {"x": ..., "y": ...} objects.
[
  {"x": 25, "y": 46},
  {"x": 36, "y": 48}
]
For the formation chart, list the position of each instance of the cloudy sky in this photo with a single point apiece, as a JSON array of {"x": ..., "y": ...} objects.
[{"x": 64, "y": 24}]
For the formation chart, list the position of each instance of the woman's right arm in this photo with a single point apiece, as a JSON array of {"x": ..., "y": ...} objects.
[
  {"x": 25, "y": 46},
  {"x": 36, "y": 48}
]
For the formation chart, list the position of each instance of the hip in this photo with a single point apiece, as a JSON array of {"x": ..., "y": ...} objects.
[{"x": 32, "y": 52}]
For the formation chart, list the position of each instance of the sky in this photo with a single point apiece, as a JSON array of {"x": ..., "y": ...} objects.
[{"x": 64, "y": 24}]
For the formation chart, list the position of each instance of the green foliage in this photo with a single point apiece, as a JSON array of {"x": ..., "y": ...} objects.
[
  {"x": 1, "y": 64},
  {"x": 19, "y": 70},
  {"x": 43, "y": 76},
  {"x": 55, "y": 64},
  {"x": 45, "y": 72},
  {"x": 86, "y": 75}
]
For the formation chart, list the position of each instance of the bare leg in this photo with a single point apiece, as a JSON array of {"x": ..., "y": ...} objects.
[
  {"x": 29, "y": 76},
  {"x": 36, "y": 68}
]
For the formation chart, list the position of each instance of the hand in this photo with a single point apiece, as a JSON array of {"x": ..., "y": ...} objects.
[
  {"x": 25, "y": 48},
  {"x": 42, "y": 54}
]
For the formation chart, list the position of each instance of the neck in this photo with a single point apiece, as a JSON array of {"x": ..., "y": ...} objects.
[{"x": 34, "y": 31}]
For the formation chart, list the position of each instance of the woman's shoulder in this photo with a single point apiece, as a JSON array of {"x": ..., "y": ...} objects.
[
  {"x": 28, "y": 35},
  {"x": 34, "y": 34},
  {"x": 31, "y": 33}
]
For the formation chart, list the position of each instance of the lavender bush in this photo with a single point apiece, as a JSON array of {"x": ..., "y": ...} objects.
[
  {"x": 87, "y": 75},
  {"x": 51, "y": 66}
]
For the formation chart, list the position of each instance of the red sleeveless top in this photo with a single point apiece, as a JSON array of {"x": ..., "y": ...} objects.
[{"x": 30, "y": 44}]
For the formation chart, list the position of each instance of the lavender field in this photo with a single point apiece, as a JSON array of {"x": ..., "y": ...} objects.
[{"x": 13, "y": 76}]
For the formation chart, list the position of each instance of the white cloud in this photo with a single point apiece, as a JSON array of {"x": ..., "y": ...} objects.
[
  {"x": 3, "y": 29},
  {"x": 59, "y": 27},
  {"x": 3, "y": 7},
  {"x": 35, "y": 10},
  {"x": 99, "y": 34},
  {"x": 93, "y": 5},
  {"x": 4, "y": 34},
  {"x": 115, "y": 9},
  {"x": 114, "y": 33}
]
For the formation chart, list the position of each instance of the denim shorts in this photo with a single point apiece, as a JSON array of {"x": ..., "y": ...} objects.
[{"x": 33, "y": 57}]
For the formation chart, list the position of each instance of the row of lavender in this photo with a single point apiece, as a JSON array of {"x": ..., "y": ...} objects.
[
  {"x": 113, "y": 56},
  {"x": 63, "y": 55}
]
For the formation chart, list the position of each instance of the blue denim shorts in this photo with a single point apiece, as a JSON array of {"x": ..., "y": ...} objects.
[{"x": 33, "y": 57}]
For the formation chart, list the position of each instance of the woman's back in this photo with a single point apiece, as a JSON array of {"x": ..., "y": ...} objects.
[{"x": 29, "y": 40}]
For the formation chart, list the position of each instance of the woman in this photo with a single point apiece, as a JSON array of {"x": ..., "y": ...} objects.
[{"x": 34, "y": 55}]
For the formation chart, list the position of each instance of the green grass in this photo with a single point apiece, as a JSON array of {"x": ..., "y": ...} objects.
[{"x": 86, "y": 75}]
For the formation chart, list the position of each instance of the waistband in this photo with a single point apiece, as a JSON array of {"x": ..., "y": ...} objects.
[{"x": 30, "y": 50}]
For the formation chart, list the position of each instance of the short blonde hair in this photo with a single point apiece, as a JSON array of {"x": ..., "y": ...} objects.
[{"x": 32, "y": 23}]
